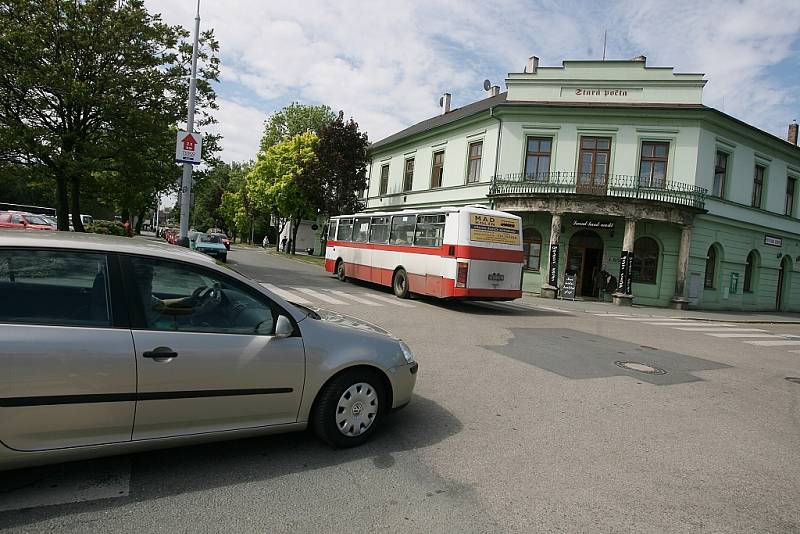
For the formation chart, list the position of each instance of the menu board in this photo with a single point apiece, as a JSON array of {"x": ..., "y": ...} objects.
[
  {"x": 490, "y": 229},
  {"x": 568, "y": 289}
]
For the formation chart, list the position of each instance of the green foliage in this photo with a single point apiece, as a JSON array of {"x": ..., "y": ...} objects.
[
  {"x": 294, "y": 120},
  {"x": 276, "y": 183},
  {"x": 106, "y": 227},
  {"x": 342, "y": 170},
  {"x": 91, "y": 95}
]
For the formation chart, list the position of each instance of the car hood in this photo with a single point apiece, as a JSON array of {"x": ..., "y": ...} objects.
[{"x": 331, "y": 317}]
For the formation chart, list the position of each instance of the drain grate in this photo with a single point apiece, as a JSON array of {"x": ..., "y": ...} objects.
[
  {"x": 640, "y": 368},
  {"x": 795, "y": 379}
]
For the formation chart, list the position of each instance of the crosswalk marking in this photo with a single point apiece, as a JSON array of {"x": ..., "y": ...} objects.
[
  {"x": 688, "y": 323},
  {"x": 718, "y": 329},
  {"x": 775, "y": 343},
  {"x": 288, "y": 295},
  {"x": 317, "y": 295},
  {"x": 641, "y": 319},
  {"x": 610, "y": 315},
  {"x": 353, "y": 297},
  {"x": 394, "y": 300},
  {"x": 736, "y": 334}
]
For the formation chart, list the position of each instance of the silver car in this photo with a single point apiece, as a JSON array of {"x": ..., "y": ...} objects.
[{"x": 110, "y": 345}]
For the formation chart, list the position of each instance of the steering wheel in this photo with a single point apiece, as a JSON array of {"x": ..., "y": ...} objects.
[{"x": 207, "y": 298}]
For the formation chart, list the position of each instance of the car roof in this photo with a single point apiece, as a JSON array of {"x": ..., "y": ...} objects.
[{"x": 100, "y": 243}]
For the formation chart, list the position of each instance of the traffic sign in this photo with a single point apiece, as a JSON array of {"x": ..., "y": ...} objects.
[{"x": 188, "y": 147}]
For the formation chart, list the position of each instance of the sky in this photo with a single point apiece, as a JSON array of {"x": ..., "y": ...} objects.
[{"x": 387, "y": 63}]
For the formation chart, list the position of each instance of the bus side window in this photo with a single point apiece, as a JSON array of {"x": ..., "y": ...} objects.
[
  {"x": 332, "y": 229},
  {"x": 361, "y": 230},
  {"x": 402, "y": 229},
  {"x": 345, "y": 229},
  {"x": 430, "y": 231},
  {"x": 379, "y": 230}
]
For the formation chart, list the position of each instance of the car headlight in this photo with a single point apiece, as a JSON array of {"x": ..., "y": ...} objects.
[{"x": 406, "y": 352}]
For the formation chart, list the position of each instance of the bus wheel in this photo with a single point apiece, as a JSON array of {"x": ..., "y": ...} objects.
[
  {"x": 400, "y": 284},
  {"x": 340, "y": 271}
]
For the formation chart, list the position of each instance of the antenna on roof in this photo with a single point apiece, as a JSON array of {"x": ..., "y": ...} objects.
[
  {"x": 487, "y": 85},
  {"x": 605, "y": 35},
  {"x": 441, "y": 101}
]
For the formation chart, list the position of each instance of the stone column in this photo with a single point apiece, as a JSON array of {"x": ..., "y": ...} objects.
[
  {"x": 550, "y": 278},
  {"x": 624, "y": 296},
  {"x": 680, "y": 301}
]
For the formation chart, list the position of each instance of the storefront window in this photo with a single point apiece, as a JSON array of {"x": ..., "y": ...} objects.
[
  {"x": 644, "y": 268},
  {"x": 532, "y": 247}
]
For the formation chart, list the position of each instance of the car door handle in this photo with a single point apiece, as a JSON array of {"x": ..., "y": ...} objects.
[{"x": 160, "y": 354}]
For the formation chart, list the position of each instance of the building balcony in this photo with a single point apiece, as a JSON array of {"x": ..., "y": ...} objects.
[{"x": 610, "y": 187}]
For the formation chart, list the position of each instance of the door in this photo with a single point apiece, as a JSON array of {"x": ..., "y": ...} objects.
[
  {"x": 206, "y": 355},
  {"x": 783, "y": 284},
  {"x": 593, "y": 164},
  {"x": 68, "y": 369},
  {"x": 584, "y": 258}
]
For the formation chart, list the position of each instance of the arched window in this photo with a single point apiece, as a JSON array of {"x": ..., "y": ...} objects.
[
  {"x": 644, "y": 268},
  {"x": 711, "y": 268},
  {"x": 532, "y": 247},
  {"x": 750, "y": 266}
]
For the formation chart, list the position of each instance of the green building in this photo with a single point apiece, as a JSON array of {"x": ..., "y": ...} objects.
[{"x": 617, "y": 169}]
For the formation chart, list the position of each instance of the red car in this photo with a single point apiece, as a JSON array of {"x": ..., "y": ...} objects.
[
  {"x": 223, "y": 238},
  {"x": 23, "y": 220}
]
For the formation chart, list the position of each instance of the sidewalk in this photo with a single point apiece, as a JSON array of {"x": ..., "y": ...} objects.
[{"x": 585, "y": 306}]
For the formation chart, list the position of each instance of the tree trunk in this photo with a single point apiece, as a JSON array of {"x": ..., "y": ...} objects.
[
  {"x": 139, "y": 221},
  {"x": 62, "y": 203},
  {"x": 295, "y": 227},
  {"x": 75, "y": 200},
  {"x": 280, "y": 228}
]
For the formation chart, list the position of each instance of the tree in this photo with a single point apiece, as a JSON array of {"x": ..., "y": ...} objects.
[
  {"x": 293, "y": 120},
  {"x": 281, "y": 175},
  {"x": 342, "y": 170},
  {"x": 88, "y": 90}
]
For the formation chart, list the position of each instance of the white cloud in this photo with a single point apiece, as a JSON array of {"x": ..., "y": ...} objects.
[{"x": 386, "y": 63}]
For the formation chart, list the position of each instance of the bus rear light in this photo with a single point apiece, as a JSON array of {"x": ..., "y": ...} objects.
[{"x": 461, "y": 274}]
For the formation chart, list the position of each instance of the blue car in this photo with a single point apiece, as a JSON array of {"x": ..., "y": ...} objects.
[{"x": 211, "y": 245}]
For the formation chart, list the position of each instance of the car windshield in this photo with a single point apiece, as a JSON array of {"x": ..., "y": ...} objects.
[
  {"x": 205, "y": 238},
  {"x": 35, "y": 219},
  {"x": 221, "y": 236}
]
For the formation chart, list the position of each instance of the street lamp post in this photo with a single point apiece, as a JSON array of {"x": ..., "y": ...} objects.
[{"x": 186, "y": 182}]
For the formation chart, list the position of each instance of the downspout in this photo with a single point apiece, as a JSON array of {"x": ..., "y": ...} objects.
[{"x": 496, "y": 148}]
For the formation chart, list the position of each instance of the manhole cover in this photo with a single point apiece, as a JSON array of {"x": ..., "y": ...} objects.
[
  {"x": 641, "y": 368},
  {"x": 795, "y": 379}
]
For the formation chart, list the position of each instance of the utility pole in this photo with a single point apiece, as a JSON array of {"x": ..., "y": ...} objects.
[{"x": 186, "y": 182}]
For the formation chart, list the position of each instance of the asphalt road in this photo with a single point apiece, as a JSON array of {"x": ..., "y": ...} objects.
[{"x": 523, "y": 420}]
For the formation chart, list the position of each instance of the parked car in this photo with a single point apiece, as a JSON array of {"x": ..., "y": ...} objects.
[
  {"x": 105, "y": 327},
  {"x": 211, "y": 245},
  {"x": 24, "y": 221},
  {"x": 224, "y": 237}
]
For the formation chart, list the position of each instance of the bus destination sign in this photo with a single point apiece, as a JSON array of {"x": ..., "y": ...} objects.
[{"x": 490, "y": 229}]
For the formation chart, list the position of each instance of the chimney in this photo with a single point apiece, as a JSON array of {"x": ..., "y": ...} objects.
[
  {"x": 533, "y": 65},
  {"x": 495, "y": 90},
  {"x": 641, "y": 58},
  {"x": 445, "y": 102},
  {"x": 793, "y": 132}
]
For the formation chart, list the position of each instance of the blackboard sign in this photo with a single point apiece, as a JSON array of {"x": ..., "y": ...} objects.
[
  {"x": 625, "y": 267},
  {"x": 552, "y": 274},
  {"x": 568, "y": 290}
]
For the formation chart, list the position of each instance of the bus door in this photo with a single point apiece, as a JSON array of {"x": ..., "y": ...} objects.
[{"x": 429, "y": 235}]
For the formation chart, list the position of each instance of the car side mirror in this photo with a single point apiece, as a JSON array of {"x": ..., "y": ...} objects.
[{"x": 283, "y": 327}]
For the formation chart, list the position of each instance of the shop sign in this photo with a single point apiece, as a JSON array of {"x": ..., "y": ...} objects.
[
  {"x": 773, "y": 241},
  {"x": 568, "y": 291},
  {"x": 592, "y": 223},
  {"x": 552, "y": 274},
  {"x": 606, "y": 93},
  {"x": 625, "y": 284}
]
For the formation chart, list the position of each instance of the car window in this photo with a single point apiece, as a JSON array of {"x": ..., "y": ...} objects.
[
  {"x": 16, "y": 219},
  {"x": 55, "y": 288},
  {"x": 180, "y": 297},
  {"x": 33, "y": 219}
]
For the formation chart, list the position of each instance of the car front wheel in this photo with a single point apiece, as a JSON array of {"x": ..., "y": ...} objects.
[{"x": 349, "y": 409}]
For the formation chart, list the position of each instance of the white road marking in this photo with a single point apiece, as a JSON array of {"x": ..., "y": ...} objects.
[
  {"x": 548, "y": 308},
  {"x": 773, "y": 336},
  {"x": 611, "y": 315},
  {"x": 719, "y": 329},
  {"x": 688, "y": 323},
  {"x": 65, "y": 483},
  {"x": 396, "y": 301},
  {"x": 320, "y": 296},
  {"x": 353, "y": 297},
  {"x": 287, "y": 295},
  {"x": 775, "y": 343},
  {"x": 643, "y": 319}
]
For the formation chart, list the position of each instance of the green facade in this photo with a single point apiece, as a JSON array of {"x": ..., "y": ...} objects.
[{"x": 630, "y": 105}]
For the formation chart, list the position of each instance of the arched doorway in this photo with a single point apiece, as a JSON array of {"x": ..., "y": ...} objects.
[
  {"x": 784, "y": 284},
  {"x": 585, "y": 259}
]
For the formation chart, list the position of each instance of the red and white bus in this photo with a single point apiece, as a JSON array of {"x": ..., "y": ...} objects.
[{"x": 470, "y": 252}]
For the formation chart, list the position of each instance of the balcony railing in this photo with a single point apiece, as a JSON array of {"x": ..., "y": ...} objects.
[{"x": 613, "y": 185}]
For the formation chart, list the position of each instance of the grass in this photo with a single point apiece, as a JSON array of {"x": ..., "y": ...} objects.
[{"x": 314, "y": 260}]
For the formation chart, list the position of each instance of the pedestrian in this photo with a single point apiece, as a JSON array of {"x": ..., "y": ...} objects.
[
  {"x": 283, "y": 243},
  {"x": 127, "y": 226},
  {"x": 265, "y": 242}
]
